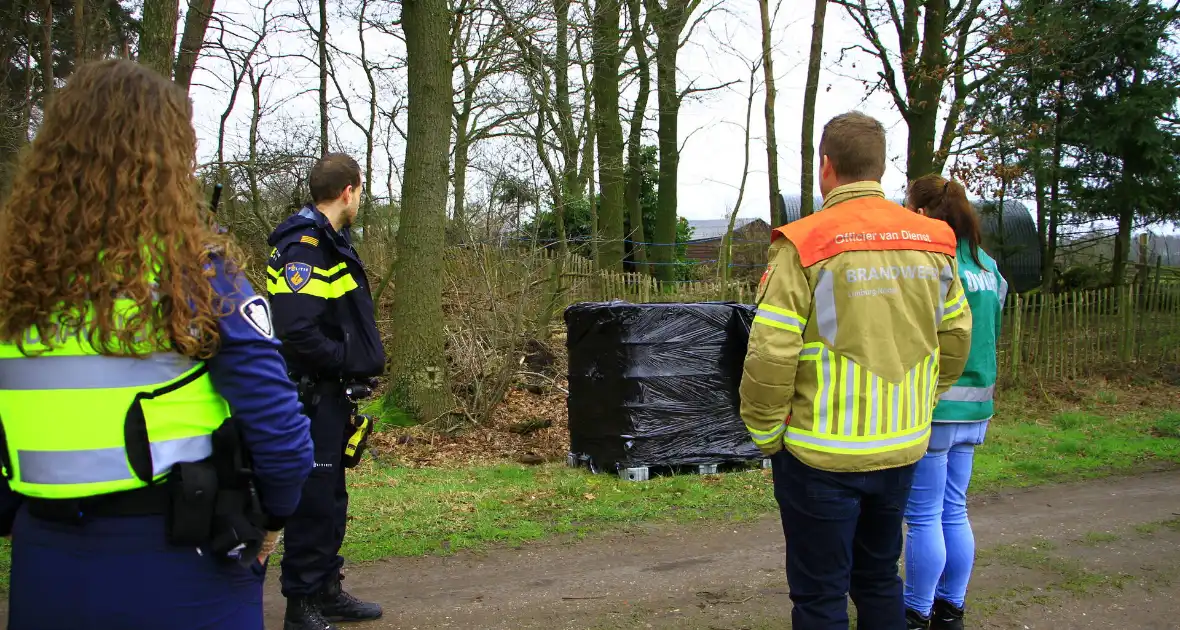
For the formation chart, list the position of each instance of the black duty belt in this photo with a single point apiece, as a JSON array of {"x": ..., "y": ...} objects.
[{"x": 149, "y": 501}]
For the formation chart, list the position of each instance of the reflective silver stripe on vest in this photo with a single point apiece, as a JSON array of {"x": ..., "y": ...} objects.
[
  {"x": 825, "y": 306},
  {"x": 106, "y": 464},
  {"x": 960, "y": 393},
  {"x": 807, "y": 438},
  {"x": 91, "y": 371},
  {"x": 944, "y": 285}
]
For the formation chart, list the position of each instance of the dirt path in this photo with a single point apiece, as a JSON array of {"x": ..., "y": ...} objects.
[{"x": 1095, "y": 555}]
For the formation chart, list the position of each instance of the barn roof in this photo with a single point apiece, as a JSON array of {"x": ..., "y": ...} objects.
[
  {"x": 1020, "y": 258},
  {"x": 709, "y": 229}
]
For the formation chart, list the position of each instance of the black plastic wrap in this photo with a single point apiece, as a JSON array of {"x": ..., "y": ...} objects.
[{"x": 657, "y": 384}]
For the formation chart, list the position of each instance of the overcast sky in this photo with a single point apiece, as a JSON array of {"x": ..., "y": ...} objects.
[{"x": 710, "y": 123}]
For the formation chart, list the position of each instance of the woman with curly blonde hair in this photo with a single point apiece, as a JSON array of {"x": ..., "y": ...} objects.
[{"x": 127, "y": 338}]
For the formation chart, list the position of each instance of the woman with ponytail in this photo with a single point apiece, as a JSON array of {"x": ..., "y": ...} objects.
[{"x": 940, "y": 547}]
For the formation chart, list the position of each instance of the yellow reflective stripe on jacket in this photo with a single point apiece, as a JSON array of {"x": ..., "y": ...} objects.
[
  {"x": 780, "y": 318},
  {"x": 319, "y": 285},
  {"x": 954, "y": 306},
  {"x": 766, "y": 438},
  {"x": 856, "y": 411}
]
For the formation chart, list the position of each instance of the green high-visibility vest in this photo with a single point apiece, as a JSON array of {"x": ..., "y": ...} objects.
[{"x": 80, "y": 424}]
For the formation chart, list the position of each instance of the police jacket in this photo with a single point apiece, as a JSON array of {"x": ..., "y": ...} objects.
[
  {"x": 323, "y": 310},
  {"x": 861, "y": 325}
]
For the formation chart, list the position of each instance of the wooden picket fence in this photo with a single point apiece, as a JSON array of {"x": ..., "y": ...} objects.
[
  {"x": 1051, "y": 336},
  {"x": 585, "y": 283},
  {"x": 1067, "y": 335}
]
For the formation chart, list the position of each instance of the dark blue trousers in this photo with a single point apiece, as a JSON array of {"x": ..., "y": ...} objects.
[
  {"x": 121, "y": 574},
  {"x": 315, "y": 532},
  {"x": 844, "y": 537}
]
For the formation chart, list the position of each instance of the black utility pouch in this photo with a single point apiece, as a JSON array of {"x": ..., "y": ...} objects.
[{"x": 192, "y": 499}]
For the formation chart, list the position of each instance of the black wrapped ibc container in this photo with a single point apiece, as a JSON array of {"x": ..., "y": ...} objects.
[{"x": 657, "y": 384}]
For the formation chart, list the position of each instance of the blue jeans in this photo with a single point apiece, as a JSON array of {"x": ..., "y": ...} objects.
[
  {"x": 940, "y": 547},
  {"x": 843, "y": 535}
]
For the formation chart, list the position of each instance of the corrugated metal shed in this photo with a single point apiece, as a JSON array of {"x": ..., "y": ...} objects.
[{"x": 1018, "y": 251}]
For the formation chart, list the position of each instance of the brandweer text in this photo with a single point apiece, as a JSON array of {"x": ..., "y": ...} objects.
[{"x": 908, "y": 272}]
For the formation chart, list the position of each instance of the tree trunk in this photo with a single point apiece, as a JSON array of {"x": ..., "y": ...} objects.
[
  {"x": 1042, "y": 205},
  {"x": 1122, "y": 240},
  {"x": 1050, "y": 254},
  {"x": 47, "y": 80},
  {"x": 420, "y": 386},
  {"x": 771, "y": 141},
  {"x": 807, "y": 189},
  {"x": 585, "y": 171},
  {"x": 635, "y": 139},
  {"x": 196, "y": 22},
  {"x": 462, "y": 149},
  {"x": 925, "y": 92},
  {"x": 610, "y": 132},
  {"x": 726, "y": 254},
  {"x": 322, "y": 44},
  {"x": 668, "y": 24},
  {"x": 567, "y": 137},
  {"x": 13, "y": 128},
  {"x": 157, "y": 35},
  {"x": 592, "y": 194},
  {"x": 79, "y": 32},
  {"x": 252, "y": 169}
]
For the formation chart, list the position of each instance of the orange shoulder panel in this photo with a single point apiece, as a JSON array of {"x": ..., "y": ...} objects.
[{"x": 865, "y": 224}]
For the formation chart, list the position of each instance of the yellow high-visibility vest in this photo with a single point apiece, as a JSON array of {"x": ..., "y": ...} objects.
[{"x": 80, "y": 424}]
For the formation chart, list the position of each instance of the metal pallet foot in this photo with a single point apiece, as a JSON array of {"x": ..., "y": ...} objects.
[{"x": 634, "y": 474}]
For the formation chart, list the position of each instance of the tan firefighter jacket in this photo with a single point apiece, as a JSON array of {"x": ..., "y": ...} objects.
[{"x": 861, "y": 324}]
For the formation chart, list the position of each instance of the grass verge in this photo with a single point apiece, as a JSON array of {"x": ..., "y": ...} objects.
[
  {"x": 398, "y": 511},
  {"x": 405, "y": 512}
]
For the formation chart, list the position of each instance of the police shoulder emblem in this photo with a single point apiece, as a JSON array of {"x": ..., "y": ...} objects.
[
  {"x": 297, "y": 275},
  {"x": 256, "y": 312}
]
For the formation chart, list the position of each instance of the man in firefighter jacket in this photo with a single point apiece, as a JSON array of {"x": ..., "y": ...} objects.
[
  {"x": 323, "y": 314},
  {"x": 861, "y": 325}
]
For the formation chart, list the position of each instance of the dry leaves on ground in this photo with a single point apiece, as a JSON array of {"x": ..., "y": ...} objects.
[{"x": 495, "y": 443}]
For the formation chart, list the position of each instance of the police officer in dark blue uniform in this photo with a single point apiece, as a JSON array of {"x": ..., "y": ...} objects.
[
  {"x": 151, "y": 338},
  {"x": 323, "y": 313}
]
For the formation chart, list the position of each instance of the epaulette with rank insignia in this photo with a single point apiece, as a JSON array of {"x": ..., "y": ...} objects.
[{"x": 310, "y": 240}]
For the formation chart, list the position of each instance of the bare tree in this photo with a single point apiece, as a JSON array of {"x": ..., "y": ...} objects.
[
  {"x": 807, "y": 146},
  {"x": 370, "y": 126},
  {"x": 634, "y": 175},
  {"x": 726, "y": 254},
  {"x": 240, "y": 62},
  {"x": 196, "y": 23},
  {"x": 670, "y": 21},
  {"x": 481, "y": 46},
  {"x": 940, "y": 42},
  {"x": 768, "y": 110}
]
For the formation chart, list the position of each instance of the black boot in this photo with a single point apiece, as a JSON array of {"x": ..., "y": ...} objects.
[
  {"x": 303, "y": 613},
  {"x": 915, "y": 621},
  {"x": 337, "y": 605},
  {"x": 946, "y": 616}
]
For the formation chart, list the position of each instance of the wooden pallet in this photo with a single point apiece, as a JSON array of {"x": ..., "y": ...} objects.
[{"x": 644, "y": 473}]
